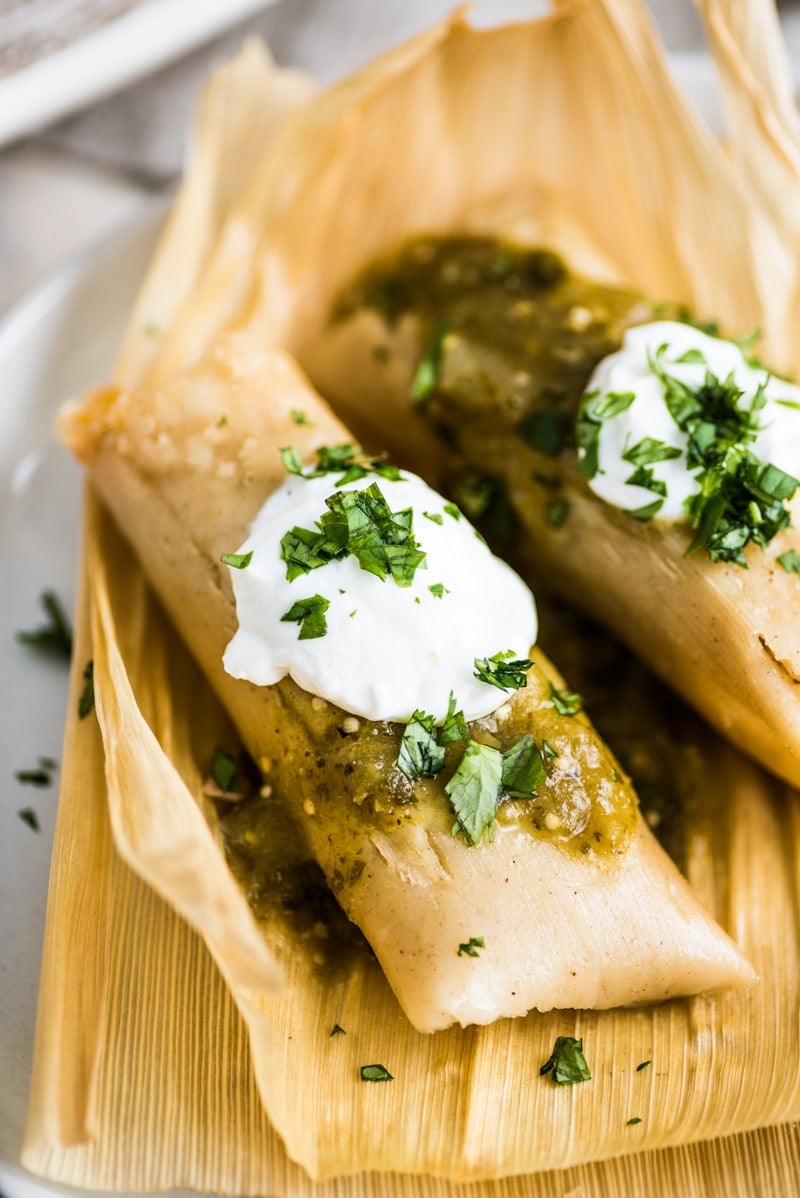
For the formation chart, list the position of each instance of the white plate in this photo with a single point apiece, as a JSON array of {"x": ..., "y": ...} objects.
[
  {"x": 95, "y": 49},
  {"x": 60, "y": 340}
]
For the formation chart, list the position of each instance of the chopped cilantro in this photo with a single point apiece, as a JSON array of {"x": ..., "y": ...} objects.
[
  {"x": 454, "y": 726},
  {"x": 426, "y": 378},
  {"x": 567, "y": 1062},
  {"x": 40, "y": 777},
  {"x": 645, "y": 513},
  {"x": 224, "y": 771},
  {"x": 470, "y": 949},
  {"x": 375, "y": 1073},
  {"x": 420, "y": 754},
  {"x": 485, "y": 497},
  {"x": 439, "y": 590},
  {"x": 86, "y": 699},
  {"x": 299, "y": 416},
  {"x": 635, "y": 1119},
  {"x": 474, "y": 791},
  {"x": 310, "y": 615},
  {"x": 338, "y": 1031},
  {"x": 548, "y": 752},
  {"x": 565, "y": 702},
  {"x": 362, "y": 524},
  {"x": 643, "y": 1065},
  {"x": 789, "y": 403},
  {"x": 740, "y": 499},
  {"x": 452, "y": 510},
  {"x": 593, "y": 410},
  {"x": 29, "y": 817},
  {"x": 436, "y": 517},
  {"x": 556, "y": 512},
  {"x": 55, "y": 636},
  {"x": 523, "y": 768},
  {"x": 790, "y": 561},
  {"x": 346, "y": 459},
  {"x": 238, "y": 561},
  {"x": 503, "y": 670},
  {"x": 649, "y": 450},
  {"x": 549, "y": 431},
  {"x": 223, "y": 420},
  {"x": 693, "y": 356}
]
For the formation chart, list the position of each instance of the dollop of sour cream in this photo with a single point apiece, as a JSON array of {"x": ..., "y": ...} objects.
[
  {"x": 630, "y": 370},
  {"x": 388, "y": 650}
]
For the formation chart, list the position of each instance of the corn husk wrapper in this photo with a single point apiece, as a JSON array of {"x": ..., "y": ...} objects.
[{"x": 154, "y": 1036}]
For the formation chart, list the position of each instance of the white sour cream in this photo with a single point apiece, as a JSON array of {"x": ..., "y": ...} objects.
[
  {"x": 778, "y": 442},
  {"x": 388, "y": 650}
]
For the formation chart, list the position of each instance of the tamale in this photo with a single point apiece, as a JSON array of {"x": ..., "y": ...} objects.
[{"x": 592, "y": 919}]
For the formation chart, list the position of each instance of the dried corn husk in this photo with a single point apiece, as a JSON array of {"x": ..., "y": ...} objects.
[{"x": 458, "y": 1109}]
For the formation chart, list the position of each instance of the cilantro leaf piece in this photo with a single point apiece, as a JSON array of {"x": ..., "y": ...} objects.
[
  {"x": 643, "y": 477},
  {"x": 40, "y": 777},
  {"x": 237, "y": 561},
  {"x": 29, "y": 817},
  {"x": 224, "y": 771},
  {"x": 474, "y": 791},
  {"x": 291, "y": 460},
  {"x": 86, "y": 699},
  {"x": 420, "y": 754},
  {"x": 549, "y": 431},
  {"x": 470, "y": 949},
  {"x": 567, "y": 1062},
  {"x": 567, "y": 703},
  {"x": 310, "y": 615},
  {"x": 643, "y": 1065},
  {"x": 375, "y": 1073},
  {"x": 631, "y": 1122},
  {"x": 650, "y": 450},
  {"x": 522, "y": 769},
  {"x": 426, "y": 377},
  {"x": 453, "y": 511},
  {"x": 692, "y": 356},
  {"x": 548, "y": 752},
  {"x": 438, "y": 590},
  {"x": 503, "y": 670},
  {"x": 55, "y": 636},
  {"x": 454, "y": 726},
  {"x": 790, "y": 561},
  {"x": 299, "y": 416},
  {"x": 434, "y": 517},
  {"x": 336, "y": 1030},
  {"x": 645, "y": 513},
  {"x": 594, "y": 409}
]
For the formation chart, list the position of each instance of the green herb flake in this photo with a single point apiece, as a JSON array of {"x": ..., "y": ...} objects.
[
  {"x": 375, "y": 1073},
  {"x": 29, "y": 817},
  {"x": 224, "y": 771},
  {"x": 362, "y": 524},
  {"x": 435, "y": 517},
  {"x": 86, "y": 699},
  {"x": 548, "y": 752},
  {"x": 594, "y": 409},
  {"x": 439, "y": 590},
  {"x": 223, "y": 420},
  {"x": 523, "y": 768},
  {"x": 426, "y": 377},
  {"x": 471, "y": 948},
  {"x": 299, "y": 416},
  {"x": 291, "y": 460},
  {"x": 556, "y": 512},
  {"x": 454, "y": 726},
  {"x": 567, "y": 703},
  {"x": 40, "y": 777},
  {"x": 420, "y": 754},
  {"x": 452, "y": 510},
  {"x": 693, "y": 357},
  {"x": 643, "y": 1065},
  {"x": 336, "y": 1030},
  {"x": 48, "y": 763},
  {"x": 237, "y": 561},
  {"x": 474, "y": 792},
  {"x": 549, "y": 431},
  {"x": 790, "y": 561},
  {"x": 649, "y": 450},
  {"x": 503, "y": 670},
  {"x": 55, "y": 636},
  {"x": 567, "y": 1062},
  {"x": 634, "y": 1120},
  {"x": 310, "y": 615}
]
